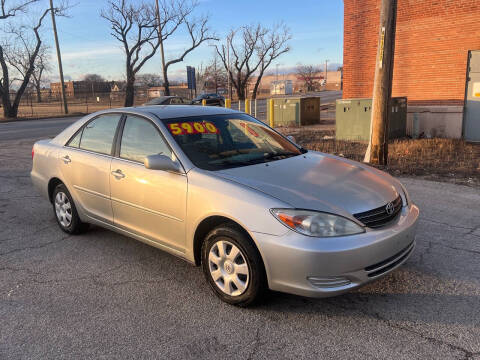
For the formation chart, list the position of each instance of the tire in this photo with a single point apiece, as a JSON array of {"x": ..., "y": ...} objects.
[
  {"x": 238, "y": 276},
  {"x": 66, "y": 214}
]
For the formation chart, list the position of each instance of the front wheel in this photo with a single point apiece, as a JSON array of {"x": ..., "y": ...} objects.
[{"x": 233, "y": 267}]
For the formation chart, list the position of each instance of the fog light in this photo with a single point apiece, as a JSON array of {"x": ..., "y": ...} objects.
[{"x": 329, "y": 281}]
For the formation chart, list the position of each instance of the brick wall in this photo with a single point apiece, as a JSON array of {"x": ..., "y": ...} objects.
[{"x": 432, "y": 42}]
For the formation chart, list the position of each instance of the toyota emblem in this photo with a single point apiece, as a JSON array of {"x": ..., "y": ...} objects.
[{"x": 389, "y": 208}]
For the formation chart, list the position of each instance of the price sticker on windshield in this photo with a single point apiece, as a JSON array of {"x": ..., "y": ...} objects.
[{"x": 189, "y": 128}]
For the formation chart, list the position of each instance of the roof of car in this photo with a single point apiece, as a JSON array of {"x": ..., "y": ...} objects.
[{"x": 178, "y": 111}]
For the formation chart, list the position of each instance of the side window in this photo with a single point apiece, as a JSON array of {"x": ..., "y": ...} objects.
[
  {"x": 98, "y": 134},
  {"x": 141, "y": 138},
  {"x": 75, "y": 141},
  {"x": 175, "y": 101}
]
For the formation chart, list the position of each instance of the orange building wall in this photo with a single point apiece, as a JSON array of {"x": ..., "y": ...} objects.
[{"x": 432, "y": 42}]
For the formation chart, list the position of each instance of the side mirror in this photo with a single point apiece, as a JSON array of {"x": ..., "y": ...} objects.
[
  {"x": 291, "y": 138},
  {"x": 162, "y": 162}
]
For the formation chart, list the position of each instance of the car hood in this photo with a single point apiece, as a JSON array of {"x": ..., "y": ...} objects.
[{"x": 317, "y": 181}]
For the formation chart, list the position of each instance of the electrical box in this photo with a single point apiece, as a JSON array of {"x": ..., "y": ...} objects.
[
  {"x": 353, "y": 117},
  {"x": 295, "y": 111}
]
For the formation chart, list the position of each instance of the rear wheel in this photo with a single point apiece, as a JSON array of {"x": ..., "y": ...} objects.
[
  {"x": 66, "y": 212},
  {"x": 233, "y": 267}
]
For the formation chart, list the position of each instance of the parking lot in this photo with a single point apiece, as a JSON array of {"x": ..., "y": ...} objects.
[{"x": 102, "y": 295}]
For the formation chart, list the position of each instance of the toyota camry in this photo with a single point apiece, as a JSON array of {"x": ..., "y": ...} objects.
[{"x": 224, "y": 191}]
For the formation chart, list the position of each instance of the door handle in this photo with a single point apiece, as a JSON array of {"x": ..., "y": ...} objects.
[
  {"x": 66, "y": 159},
  {"x": 118, "y": 174}
]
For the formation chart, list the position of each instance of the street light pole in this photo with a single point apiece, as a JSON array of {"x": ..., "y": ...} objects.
[{"x": 59, "y": 58}]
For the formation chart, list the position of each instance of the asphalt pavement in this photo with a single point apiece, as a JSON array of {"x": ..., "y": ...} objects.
[{"x": 103, "y": 295}]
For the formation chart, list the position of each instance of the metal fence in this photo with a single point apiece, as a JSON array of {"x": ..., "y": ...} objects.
[{"x": 52, "y": 105}]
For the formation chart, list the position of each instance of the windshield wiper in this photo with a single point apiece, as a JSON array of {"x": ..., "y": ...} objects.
[
  {"x": 279, "y": 155},
  {"x": 241, "y": 162}
]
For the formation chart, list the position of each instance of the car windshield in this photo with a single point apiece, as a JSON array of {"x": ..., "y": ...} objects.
[{"x": 226, "y": 141}]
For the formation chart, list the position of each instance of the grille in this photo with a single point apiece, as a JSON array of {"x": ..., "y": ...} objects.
[
  {"x": 388, "y": 264},
  {"x": 379, "y": 217}
]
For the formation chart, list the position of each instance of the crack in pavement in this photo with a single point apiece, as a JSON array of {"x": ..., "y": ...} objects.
[
  {"x": 93, "y": 277},
  {"x": 467, "y": 354},
  {"x": 471, "y": 230},
  {"x": 29, "y": 271},
  {"x": 35, "y": 247},
  {"x": 426, "y": 251},
  {"x": 36, "y": 232},
  {"x": 256, "y": 345},
  {"x": 461, "y": 249}
]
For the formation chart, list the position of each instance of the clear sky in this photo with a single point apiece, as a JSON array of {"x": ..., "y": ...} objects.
[{"x": 316, "y": 27}]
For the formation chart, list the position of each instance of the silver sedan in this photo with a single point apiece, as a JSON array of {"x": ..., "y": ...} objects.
[{"x": 222, "y": 190}]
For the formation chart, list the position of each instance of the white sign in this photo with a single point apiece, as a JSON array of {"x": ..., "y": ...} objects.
[{"x": 476, "y": 90}]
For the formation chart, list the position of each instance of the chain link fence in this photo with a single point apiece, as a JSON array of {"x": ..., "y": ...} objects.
[{"x": 52, "y": 105}]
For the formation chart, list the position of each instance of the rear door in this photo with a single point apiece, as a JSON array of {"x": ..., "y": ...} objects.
[
  {"x": 85, "y": 166},
  {"x": 150, "y": 203}
]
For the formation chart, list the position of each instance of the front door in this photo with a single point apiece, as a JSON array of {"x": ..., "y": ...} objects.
[
  {"x": 85, "y": 166},
  {"x": 471, "y": 129},
  {"x": 150, "y": 203}
]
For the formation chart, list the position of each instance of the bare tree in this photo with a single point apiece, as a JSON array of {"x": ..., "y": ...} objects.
[
  {"x": 308, "y": 74},
  {"x": 13, "y": 8},
  {"x": 19, "y": 54},
  {"x": 93, "y": 78},
  {"x": 212, "y": 76},
  {"x": 42, "y": 66},
  {"x": 148, "y": 79},
  {"x": 274, "y": 44},
  {"x": 255, "y": 49},
  {"x": 134, "y": 25},
  {"x": 198, "y": 31},
  {"x": 217, "y": 74}
]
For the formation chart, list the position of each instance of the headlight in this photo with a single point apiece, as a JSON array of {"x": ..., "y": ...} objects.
[{"x": 318, "y": 224}]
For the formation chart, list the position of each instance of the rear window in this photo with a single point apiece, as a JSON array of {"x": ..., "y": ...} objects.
[{"x": 98, "y": 134}]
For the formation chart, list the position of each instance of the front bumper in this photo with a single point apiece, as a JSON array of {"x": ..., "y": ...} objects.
[{"x": 322, "y": 267}]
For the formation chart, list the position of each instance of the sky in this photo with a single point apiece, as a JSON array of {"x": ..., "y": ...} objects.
[{"x": 87, "y": 46}]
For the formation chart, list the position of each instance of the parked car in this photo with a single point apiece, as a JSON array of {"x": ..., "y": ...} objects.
[
  {"x": 224, "y": 191},
  {"x": 168, "y": 100},
  {"x": 212, "y": 100}
]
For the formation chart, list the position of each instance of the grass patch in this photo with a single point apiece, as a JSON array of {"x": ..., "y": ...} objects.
[{"x": 449, "y": 160}]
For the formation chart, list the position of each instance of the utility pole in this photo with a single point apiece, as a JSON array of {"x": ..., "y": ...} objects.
[
  {"x": 377, "y": 151},
  {"x": 230, "y": 90},
  {"x": 166, "y": 86},
  {"x": 59, "y": 58},
  {"x": 326, "y": 71}
]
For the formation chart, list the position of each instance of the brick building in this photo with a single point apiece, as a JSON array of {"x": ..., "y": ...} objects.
[
  {"x": 80, "y": 88},
  {"x": 433, "y": 40}
]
